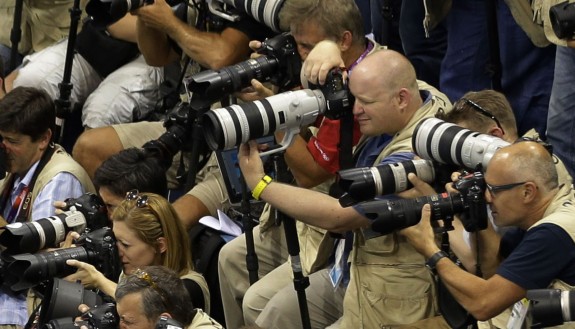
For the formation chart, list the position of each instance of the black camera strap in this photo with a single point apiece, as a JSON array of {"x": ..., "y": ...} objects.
[{"x": 26, "y": 206}]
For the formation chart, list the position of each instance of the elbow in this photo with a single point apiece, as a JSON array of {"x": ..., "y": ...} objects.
[
  {"x": 482, "y": 311},
  {"x": 218, "y": 62}
]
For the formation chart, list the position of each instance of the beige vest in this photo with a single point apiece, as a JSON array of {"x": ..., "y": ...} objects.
[
  {"x": 389, "y": 284},
  {"x": 59, "y": 162},
  {"x": 203, "y": 321},
  {"x": 201, "y": 281},
  {"x": 560, "y": 212}
]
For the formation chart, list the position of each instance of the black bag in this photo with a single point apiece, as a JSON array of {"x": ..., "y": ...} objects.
[
  {"x": 104, "y": 52},
  {"x": 454, "y": 314},
  {"x": 206, "y": 244}
]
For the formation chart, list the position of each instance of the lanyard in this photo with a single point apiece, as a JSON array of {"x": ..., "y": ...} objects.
[
  {"x": 362, "y": 56},
  {"x": 23, "y": 195}
]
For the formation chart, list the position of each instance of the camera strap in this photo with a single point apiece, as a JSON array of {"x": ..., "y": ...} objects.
[{"x": 26, "y": 206}]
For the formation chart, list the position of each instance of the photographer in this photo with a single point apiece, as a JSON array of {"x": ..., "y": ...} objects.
[
  {"x": 388, "y": 105},
  {"x": 523, "y": 192},
  {"x": 153, "y": 295},
  {"x": 163, "y": 38},
  {"x": 39, "y": 173},
  {"x": 148, "y": 232}
]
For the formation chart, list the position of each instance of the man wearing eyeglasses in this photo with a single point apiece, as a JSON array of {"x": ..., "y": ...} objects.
[{"x": 523, "y": 191}]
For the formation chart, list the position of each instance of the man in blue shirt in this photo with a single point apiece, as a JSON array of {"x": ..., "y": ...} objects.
[{"x": 39, "y": 173}]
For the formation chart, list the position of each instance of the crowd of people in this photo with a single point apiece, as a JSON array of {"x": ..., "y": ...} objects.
[{"x": 494, "y": 68}]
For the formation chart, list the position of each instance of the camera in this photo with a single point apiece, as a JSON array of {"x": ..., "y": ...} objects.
[
  {"x": 228, "y": 127},
  {"x": 391, "y": 215},
  {"x": 177, "y": 137},
  {"x": 562, "y": 18},
  {"x": 280, "y": 63},
  {"x": 97, "y": 247},
  {"x": 551, "y": 307},
  {"x": 362, "y": 184},
  {"x": 60, "y": 302},
  {"x": 447, "y": 143},
  {"x": 87, "y": 212}
]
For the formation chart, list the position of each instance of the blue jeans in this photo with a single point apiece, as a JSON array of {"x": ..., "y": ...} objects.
[
  {"x": 406, "y": 35},
  {"x": 561, "y": 118},
  {"x": 527, "y": 71},
  {"x": 5, "y": 54}
]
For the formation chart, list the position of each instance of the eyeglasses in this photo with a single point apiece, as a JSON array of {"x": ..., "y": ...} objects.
[
  {"x": 483, "y": 111},
  {"x": 498, "y": 188},
  {"x": 141, "y": 200}
]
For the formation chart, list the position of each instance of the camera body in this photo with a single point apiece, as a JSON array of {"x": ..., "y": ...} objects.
[
  {"x": 104, "y": 316},
  {"x": 280, "y": 64},
  {"x": 82, "y": 214},
  {"x": 97, "y": 247},
  {"x": 389, "y": 216}
]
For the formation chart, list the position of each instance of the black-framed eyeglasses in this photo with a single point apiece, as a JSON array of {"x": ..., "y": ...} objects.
[
  {"x": 484, "y": 112},
  {"x": 498, "y": 188},
  {"x": 141, "y": 200}
]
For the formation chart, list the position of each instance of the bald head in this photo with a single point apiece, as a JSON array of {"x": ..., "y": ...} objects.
[
  {"x": 386, "y": 69},
  {"x": 526, "y": 161}
]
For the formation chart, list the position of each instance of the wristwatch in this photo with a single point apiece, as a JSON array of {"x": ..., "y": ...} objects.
[{"x": 431, "y": 263}]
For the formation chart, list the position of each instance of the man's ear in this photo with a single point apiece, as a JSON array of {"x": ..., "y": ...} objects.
[
  {"x": 46, "y": 139},
  {"x": 346, "y": 41}
]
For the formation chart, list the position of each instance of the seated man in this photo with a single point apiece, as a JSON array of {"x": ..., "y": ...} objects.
[
  {"x": 389, "y": 284},
  {"x": 39, "y": 173},
  {"x": 522, "y": 192},
  {"x": 155, "y": 294}
]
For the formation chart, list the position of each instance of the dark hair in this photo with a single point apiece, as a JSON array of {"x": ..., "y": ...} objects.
[
  {"x": 28, "y": 111},
  {"x": 132, "y": 168},
  {"x": 161, "y": 290}
]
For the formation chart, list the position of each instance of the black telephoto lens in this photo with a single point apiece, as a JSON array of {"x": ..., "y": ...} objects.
[{"x": 389, "y": 216}]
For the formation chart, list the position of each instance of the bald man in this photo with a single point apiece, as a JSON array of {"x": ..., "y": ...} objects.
[
  {"x": 389, "y": 284},
  {"x": 522, "y": 192}
]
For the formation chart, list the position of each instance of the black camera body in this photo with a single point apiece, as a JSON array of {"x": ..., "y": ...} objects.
[
  {"x": 168, "y": 323},
  {"x": 83, "y": 214},
  {"x": 98, "y": 248},
  {"x": 338, "y": 98},
  {"x": 280, "y": 63},
  {"x": 389, "y": 216},
  {"x": 104, "y": 316}
]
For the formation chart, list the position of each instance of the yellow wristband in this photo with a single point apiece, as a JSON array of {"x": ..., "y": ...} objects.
[{"x": 263, "y": 183}]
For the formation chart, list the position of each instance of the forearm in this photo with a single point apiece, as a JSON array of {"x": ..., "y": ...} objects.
[
  {"x": 124, "y": 29},
  {"x": 314, "y": 208},
  {"x": 306, "y": 171},
  {"x": 211, "y": 50},
  {"x": 154, "y": 45},
  {"x": 107, "y": 286},
  {"x": 482, "y": 298},
  {"x": 190, "y": 209}
]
